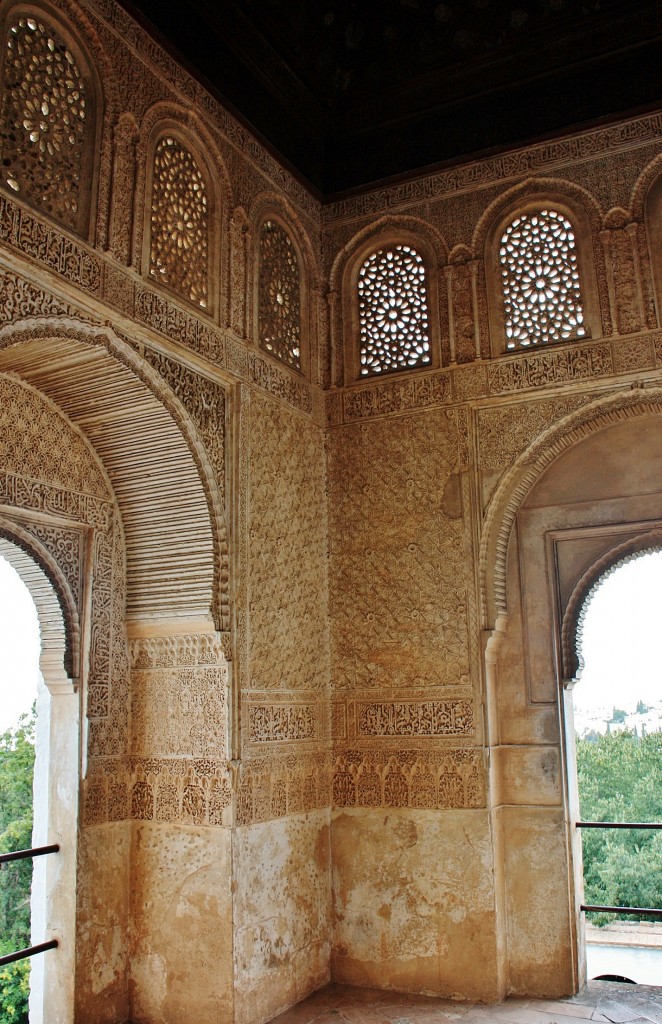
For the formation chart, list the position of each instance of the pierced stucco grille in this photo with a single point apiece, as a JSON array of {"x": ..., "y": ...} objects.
[
  {"x": 43, "y": 120},
  {"x": 393, "y": 311},
  {"x": 542, "y": 297},
  {"x": 179, "y": 237},
  {"x": 279, "y": 295}
]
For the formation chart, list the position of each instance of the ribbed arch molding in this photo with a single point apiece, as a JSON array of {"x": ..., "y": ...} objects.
[{"x": 162, "y": 501}]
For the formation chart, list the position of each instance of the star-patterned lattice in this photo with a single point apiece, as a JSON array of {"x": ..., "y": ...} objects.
[
  {"x": 540, "y": 279},
  {"x": 279, "y": 295},
  {"x": 43, "y": 125},
  {"x": 179, "y": 221},
  {"x": 393, "y": 311}
]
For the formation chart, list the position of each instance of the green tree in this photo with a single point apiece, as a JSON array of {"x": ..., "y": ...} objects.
[
  {"x": 620, "y": 779},
  {"x": 16, "y": 774}
]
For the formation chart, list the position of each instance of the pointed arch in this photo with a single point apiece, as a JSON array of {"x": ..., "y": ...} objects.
[
  {"x": 522, "y": 475},
  {"x": 167, "y": 491}
]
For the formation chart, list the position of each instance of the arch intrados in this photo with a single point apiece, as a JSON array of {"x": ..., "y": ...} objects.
[
  {"x": 59, "y": 624},
  {"x": 521, "y": 477},
  {"x": 140, "y": 431},
  {"x": 572, "y": 625}
]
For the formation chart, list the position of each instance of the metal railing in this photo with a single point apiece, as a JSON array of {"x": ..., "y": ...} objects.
[
  {"x": 6, "y": 858},
  {"x": 654, "y": 912}
]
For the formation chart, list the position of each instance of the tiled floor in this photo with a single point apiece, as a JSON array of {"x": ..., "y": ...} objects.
[{"x": 600, "y": 1001}]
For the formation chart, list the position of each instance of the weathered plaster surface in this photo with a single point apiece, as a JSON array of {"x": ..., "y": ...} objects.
[
  {"x": 539, "y": 936},
  {"x": 282, "y": 913},
  {"x": 103, "y": 923},
  {"x": 414, "y": 901},
  {"x": 181, "y": 908}
]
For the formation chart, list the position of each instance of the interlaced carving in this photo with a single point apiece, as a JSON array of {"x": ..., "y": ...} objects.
[
  {"x": 279, "y": 292},
  {"x": 393, "y": 311},
  {"x": 541, "y": 290},
  {"x": 44, "y": 118},
  {"x": 179, "y": 221}
]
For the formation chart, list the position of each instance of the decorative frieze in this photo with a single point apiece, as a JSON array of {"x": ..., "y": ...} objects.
[
  {"x": 499, "y": 169},
  {"x": 274, "y": 787},
  {"x": 57, "y": 252},
  {"x": 414, "y": 718},
  {"x": 176, "y": 651},
  {"x": 277, "y": 723},
  {"x": 432, "y": 780}
]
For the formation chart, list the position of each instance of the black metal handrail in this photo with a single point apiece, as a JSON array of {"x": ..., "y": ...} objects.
[
  {"x": 41, "y": 947},
  {"x": 35, "y": 851},
  {"x": 649, "y": 911},
  {"x": 653, "y": 912},
  {"x": 22, "y": 954},
  {"x": 618, "y": 824}
]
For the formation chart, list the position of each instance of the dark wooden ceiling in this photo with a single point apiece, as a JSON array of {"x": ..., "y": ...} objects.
[{"x": 351, "y": 93}]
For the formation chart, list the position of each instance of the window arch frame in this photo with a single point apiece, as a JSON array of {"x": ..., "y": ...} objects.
[
  {"x": 390, "y": 238},
  {"x": 91, "y": 151},
  {"x": 162, "y": 128},
  {"x": 275, "y": 214},
  {"x": 588, "y": 284}
]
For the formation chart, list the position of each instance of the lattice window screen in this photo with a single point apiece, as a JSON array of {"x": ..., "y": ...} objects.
[
  {"x": 44, "y": 120},
  {"x": 179, "y": 240},
  {"x": 279, "y": 295},
  {"x": 393, "y": 311},
  {"x": 540, "y": 279}
]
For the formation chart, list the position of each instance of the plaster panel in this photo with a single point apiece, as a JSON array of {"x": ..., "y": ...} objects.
[
  {"x": 102, "y": 927},
  {"x": 527, "y": 775},
  {"x": 282, "y": 913},
  {"x": 398, "y": 587},
  {"x": 539, "y": 933},
  {"x": 414, "y": 902},
  {"x": 181, "y": 964},
  {"x": 285, "y": 530}
]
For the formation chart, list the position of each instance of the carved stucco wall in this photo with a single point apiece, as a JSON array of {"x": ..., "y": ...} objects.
[{"x": 395, "y": 444}]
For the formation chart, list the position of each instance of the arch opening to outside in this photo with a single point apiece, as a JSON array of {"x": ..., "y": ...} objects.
[{"x": 617, "y": 711}]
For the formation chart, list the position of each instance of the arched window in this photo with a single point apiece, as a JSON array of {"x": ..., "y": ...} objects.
[
  {"x": 279, "y": 294},
  {"x": 393, "y": 311},
  {"x": 46, "y": 121},
  {"x": 540, "y": 280},
  {"x": 179, "y": 221}
]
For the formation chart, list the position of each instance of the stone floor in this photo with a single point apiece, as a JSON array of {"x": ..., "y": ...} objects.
[{"x": 600, "y": 1001}]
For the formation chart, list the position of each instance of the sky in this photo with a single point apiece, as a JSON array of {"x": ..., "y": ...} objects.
[
  {"x": 621, "y": 638},
  {"x": 620, "y": 642},
  {"x": 19, "y": 647}
]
